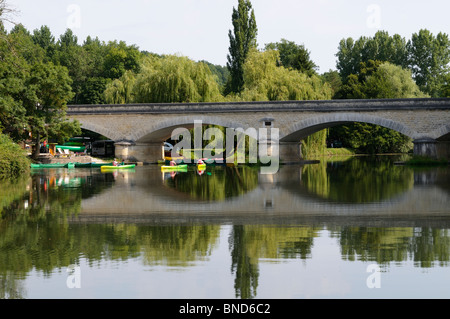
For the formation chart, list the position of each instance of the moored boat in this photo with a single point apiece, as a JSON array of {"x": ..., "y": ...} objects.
[
  {"x": 118, "y": 167},
  {"x": 168, "y": 168},
  {"x": 92, "y": 164},
  {"x": 53, "y": 165}
]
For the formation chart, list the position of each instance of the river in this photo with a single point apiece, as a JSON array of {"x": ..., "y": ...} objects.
[{"x": 360, "y": 227}]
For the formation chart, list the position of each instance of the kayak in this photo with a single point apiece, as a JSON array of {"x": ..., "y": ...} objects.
[
  {"x": 167, "y": 168},
  {"x": 53, "y": 165},
  {"x": 112, "y": 167},
  {"x": 201, "y": 167},
  {"x": 88, "y": 165}
]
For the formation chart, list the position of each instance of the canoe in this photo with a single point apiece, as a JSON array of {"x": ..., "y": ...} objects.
[
  {"x": 167, "y": 168},
  {"x": 53, "y": 165},
  {"x": 92, "y": 164},
  {"x": 71, "y": 148},
  {"x": 113, "y": 168}
]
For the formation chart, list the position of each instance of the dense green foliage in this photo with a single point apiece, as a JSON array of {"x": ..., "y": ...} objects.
[
  {"x": 265, "y": 81},
  {"x": 242, "y": 40},
  {"x": 376, "y": 80},
  {"x": 426, "y": 55},
  {"x": 13, "y": 160},
  {"x": 164, "y": 80},
  {"x": 294, "y": 56},
  {"x": 35, "y": 91}
]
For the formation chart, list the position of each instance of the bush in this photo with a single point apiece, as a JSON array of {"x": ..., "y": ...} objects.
[{"x": 13, "y": 160}]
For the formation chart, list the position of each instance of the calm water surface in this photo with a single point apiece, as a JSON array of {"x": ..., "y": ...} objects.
[{"x": 356, "y": 228}]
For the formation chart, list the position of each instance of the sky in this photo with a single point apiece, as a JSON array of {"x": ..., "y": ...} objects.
[{"x": 199, "y": 29}]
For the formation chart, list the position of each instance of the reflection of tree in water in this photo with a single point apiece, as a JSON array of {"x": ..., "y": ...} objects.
[
  {"x": 424, "y": 245},
  {"x": 177, "y": 245},
  {"x": 357, "y": 180},
  {"x": 222, "y": 182},
  {"x": 249, "y": 243}
]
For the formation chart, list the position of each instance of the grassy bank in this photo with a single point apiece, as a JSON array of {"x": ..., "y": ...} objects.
[
  {"x": 339, "y": 152},
  {"x": 425, "y": 161},
  {"x": 13, "y": 160}
]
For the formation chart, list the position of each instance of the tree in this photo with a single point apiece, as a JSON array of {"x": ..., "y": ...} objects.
[
  {"x": 264, "y": 80},
  {"x": 6, "y": 12},
  {"x": 242, "y": 39},
  {"x": 120, "y": 58},
  {"x": 446, "y": 86},
  {"x": 45, "y": 39},
  {"x": 72, "y": 56},
  {"x": 13, "y": 73},
  {"x": 391, "y": 81},
  {"x": 294, "y": 56},
  {"x": 333, "y": 78},
  {"x": 376, "y": 80},
  {"x": 165, "y": 80},
  {"x": 47, "y": 90},
  {"x": 426, "y": 55},
  {"x": 221, "y": 72},
  {"x": 381, "y": 47},
  {"x": 429, "y": 60},
  {"x": 120, "y": 91}
]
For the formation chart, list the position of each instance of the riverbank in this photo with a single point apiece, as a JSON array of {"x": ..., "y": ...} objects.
[
  {"x": 424, "y": 161},
  {"x": 14, "y": 161}
]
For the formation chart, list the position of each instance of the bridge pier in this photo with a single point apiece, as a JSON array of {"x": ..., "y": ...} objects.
[
  {"x": 290, "y": 152},
  {"x": 139, "y": 152},
  {"x": 425, "y": 147},
  {"x": 432, "y": 148}
]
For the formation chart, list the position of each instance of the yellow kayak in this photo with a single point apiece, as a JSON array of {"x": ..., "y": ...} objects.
[
  {"x": 112, "y": 167},
  {"x": 167, "y": 168}
]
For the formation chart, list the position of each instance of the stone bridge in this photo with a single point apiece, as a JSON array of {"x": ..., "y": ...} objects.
[{"x": 139, "y": 130}]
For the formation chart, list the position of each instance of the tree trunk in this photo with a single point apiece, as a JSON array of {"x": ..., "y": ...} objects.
[{"x": 37, "y": 147}]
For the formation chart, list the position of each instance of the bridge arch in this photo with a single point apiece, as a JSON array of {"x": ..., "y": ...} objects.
[
  {"x": 99, "y": 129},
  {"x": 303, "y": 128},
  {"x": 442, "y": 133},
  {"x": 162, "y": 130}
]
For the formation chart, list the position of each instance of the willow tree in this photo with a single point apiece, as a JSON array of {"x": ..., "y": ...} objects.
[
  {"x": 265, "y": 81},
  {"x": 242, "y": 40},
  {"x": 120, "y": 91},
  {"x": 168, "y": 79}
]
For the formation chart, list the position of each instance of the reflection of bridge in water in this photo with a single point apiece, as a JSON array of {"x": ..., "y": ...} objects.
[{"x": 278, "y": 199}]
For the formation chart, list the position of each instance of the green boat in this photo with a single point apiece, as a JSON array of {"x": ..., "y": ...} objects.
[
  {"x": 71, "y": 148},
  {"x": 53, "y": 165},
  {"x": 90, "y": 165}
]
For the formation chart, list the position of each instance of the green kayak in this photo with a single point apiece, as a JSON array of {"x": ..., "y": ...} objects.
[
  {"x": 53, "y": 165},
  {"x": 89, "y": 165}
]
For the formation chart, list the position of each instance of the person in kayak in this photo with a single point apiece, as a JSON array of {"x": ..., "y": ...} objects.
[{"x": 172, "y": 163}]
